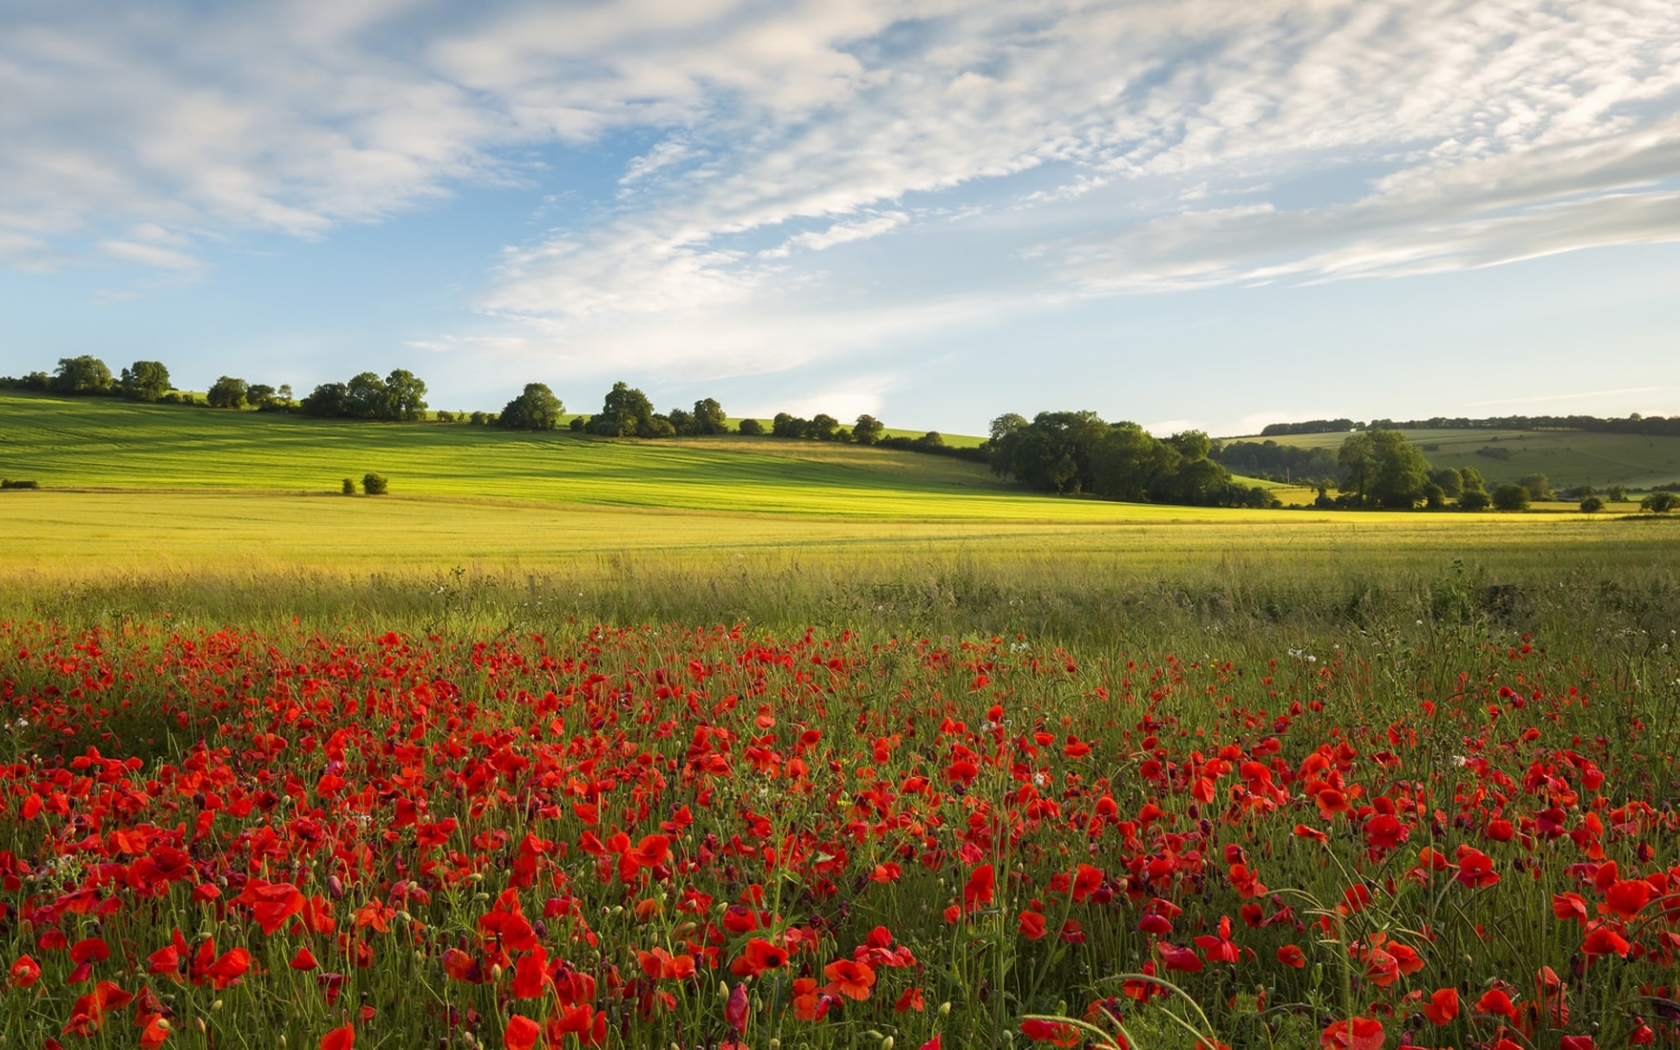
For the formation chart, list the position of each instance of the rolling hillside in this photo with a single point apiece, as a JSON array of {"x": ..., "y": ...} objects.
[{"x": 1567, "y": 457}]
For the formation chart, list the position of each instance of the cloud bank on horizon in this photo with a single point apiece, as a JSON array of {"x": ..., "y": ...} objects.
[{"x": 788, "y": 181}]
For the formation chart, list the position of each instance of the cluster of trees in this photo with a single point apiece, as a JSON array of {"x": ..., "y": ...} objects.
[
  {"x": 627, "y": 412},
  {"x": 88, "y": 376},
  {"x": 1077, "y": 452},
  {"x": 399, "y": 397}
]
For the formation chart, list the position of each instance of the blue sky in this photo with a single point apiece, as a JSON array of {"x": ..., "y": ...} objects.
[{"x": 1181, "y": 212}]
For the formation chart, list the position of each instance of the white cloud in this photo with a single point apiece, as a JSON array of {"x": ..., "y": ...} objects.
[
  {"x": 150, "y": 255},
  {"x": 1096, "y": 147}
]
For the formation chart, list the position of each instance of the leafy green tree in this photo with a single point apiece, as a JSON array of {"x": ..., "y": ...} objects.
[
  {"x": 1450, "y": 481},
  {"x": 1197, "y": 483},
  {"x": 328, "y": 401},
  {"x": 1511, "y": 497},
  {"x": 708, "y": 418},
  {"x": 1592, "y": 504},
  {"x": 535, "y": 409},
  {"x": 1191, "y": 444},
  {"x": 1358, "y": 459},
  {"x": 348, "y": 487},
  {"x": 1401, "y": 473},
  {"x": 750, "y": 428},
  {"x": 1538, "y": 487},
  {"x": 261, "y": 395},
  {"x": 1618, "y": 494},
  {"x": 787, "y": 425},
  {"x": 1005, "y": 425},
  {"x": 1052, "y": 453},
  {"x": 626, "y": 412},
  {"x": 227, "y": 392},
  {"x": 681, "y": 421},
  {"x": 81, "y": 375},
  {"x": 1660, "y": 502},
  {"x": 366, "y": 396},
  {"x": 1129, "y": 463},
  {"x": 1473, "y": 490},
  {"x": 404, "y": 397},
  {"x": 145, "y": 381},
  {"x": 375, "y": 484},
  {"x": 867, "y": 430},
  {"x": 822, "y": 427}
]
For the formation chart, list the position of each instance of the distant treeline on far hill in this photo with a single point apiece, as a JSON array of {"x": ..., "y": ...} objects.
[{"x": 1633, "y": 424}]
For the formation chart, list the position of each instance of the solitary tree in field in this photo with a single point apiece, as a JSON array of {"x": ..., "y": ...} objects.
[
  {"x": 535, "y": 409},
  {"x": 81, "y": 375},
  {"x": 228, "y": 392},
  {"x": 1660, "y": 502},
  {"x": 867, "y": 430},
  {"x": 750, "y": 428},
  {"x": 145, "y": 380}
]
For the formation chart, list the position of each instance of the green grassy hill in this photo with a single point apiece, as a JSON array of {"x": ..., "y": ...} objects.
[
  {"x": 1567, "y": 457},
  {"x": 98, "y": 443}
]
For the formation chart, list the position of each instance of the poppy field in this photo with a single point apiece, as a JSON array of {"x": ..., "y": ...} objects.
[{"x": 1451, "y": 832}]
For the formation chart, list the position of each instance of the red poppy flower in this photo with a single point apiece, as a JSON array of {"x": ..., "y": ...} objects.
[
  {"x": 24, "y": 973},
  {"x": 1057, "y": 1033},
  {"x": 1359, "y": 1033},
  {"x": 1568, "y": 906},
  {"x": 339, "y": 1039},
  {"x": 851, "y": 979},
  {"x": 735, "y": 1010},
  {"x": 1032, "y": 925},
  {"x": 1291, "y": 955},
  {"x": 760, "y": 955},
  {"x": 1625, "y": 899},
  {"x": 1442, "y": 1006},
  {"x": 1495, "y": 1001},
  {"x": 1602, "y": 940},
  {"x": 521, "y": 1033},
  {"x": 980, "y": 886}
]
